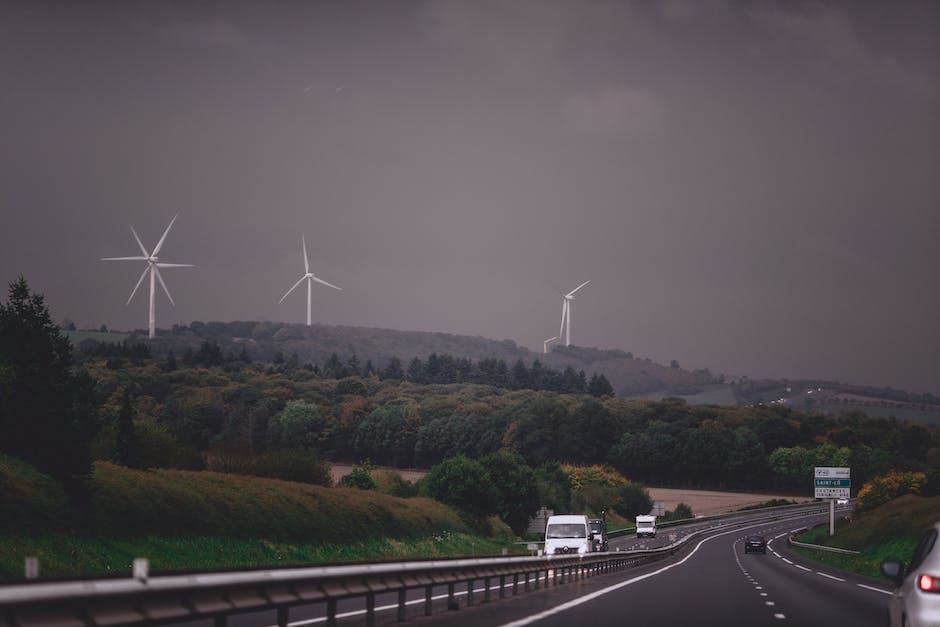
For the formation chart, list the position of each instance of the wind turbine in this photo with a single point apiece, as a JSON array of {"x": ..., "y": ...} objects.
[
  {"x": 310, "y": 277},
  {"x": 566, "y": 314},
  {"x": 153, "y": 267}
]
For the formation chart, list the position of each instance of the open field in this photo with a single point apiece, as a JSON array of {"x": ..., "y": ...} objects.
[
  {"x": 707, "y": 503},
  {"x": 702, "y": 502}
]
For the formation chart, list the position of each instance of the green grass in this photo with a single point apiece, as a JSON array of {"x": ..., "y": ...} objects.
[
  {"x": 128, "y": 502},
  {"x": 888, "y": 532},
  {"x": 184, "y": 520},
  {"x": 70, "y": 556}
]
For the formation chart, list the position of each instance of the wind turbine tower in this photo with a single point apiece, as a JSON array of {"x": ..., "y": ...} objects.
[
  {"x": 566, "y": 314},
  {"x": 153, "y": 268},
  {"x": 310, "y": 278}
]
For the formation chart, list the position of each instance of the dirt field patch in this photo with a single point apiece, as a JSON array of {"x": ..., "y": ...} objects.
[
  {"x": 707, "y": 503},
  {"x": 702, "y": 502}
]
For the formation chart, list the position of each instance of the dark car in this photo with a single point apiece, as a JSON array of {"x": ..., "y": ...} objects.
[
  {"x": 755, "y": 544},
  {"x": 599, "y": 534}
]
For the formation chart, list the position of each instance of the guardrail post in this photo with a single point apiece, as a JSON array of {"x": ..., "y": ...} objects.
[
  {"x": 427, "y": 600},
  {"x": 370, "y": 609},
  {"x": 282, "y": 619},
  {"x": 451, "y": 601},
  {"x": 401, "y": 605},
  {"x": 526, "y": 588},
  {"x": 331, "y": 612},
  {"x": 502, "y": 586},
  {"x": 31, "y": 568},
  {"x": 219, "y": 620},
  {"x": 486, "y": 590},
  {"x": 470, "y": 593}
]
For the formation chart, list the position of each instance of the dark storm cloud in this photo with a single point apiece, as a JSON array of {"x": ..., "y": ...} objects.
[{"x": 751, "y": 186}]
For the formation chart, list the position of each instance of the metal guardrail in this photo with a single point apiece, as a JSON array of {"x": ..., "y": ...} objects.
[
  {"x": 820, "y": 547},
  {"x": 698, "y": 519},
  {"x": 217, "y": 595}
]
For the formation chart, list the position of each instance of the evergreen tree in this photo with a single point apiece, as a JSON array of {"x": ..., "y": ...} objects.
[
  {"x": 416, "y": 371},
  {"x": 393, "y": 370},
  {"x": 600, "y": 386},
  {"x": 334, "y": 368},
  {"x": 47, "y": 411},
  {"x": 519, "y": 378},
  {"x": 353, "y": 368}
]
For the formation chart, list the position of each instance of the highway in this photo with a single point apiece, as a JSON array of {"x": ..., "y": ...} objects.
[{"x": 714, "y": 583}]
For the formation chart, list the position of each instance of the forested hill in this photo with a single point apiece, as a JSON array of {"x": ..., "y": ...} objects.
[{"x": 267, "y": 341}]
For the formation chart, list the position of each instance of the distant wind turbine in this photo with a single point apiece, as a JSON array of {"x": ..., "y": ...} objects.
[
  {"x": 566, "y": 314},
  {"x": 153, "y": 267},
  {"x": 310, "y": 277}
]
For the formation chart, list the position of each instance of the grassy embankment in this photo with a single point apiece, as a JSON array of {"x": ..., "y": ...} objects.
[
  {"x": 887, "y": 532},
  {"x": 202, "y": 520}
]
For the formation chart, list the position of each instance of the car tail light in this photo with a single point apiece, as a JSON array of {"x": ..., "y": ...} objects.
[{"x": 928, "y": 583}]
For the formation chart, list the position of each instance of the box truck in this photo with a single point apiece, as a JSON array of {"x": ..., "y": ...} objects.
[{"x": 646, "y": 526}]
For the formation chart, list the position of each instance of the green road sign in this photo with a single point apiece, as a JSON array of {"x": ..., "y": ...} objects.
[{"x": 833, "y": 483}]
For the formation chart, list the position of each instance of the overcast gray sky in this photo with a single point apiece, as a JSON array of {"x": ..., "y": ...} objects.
[{"x": 751, "y": 187}]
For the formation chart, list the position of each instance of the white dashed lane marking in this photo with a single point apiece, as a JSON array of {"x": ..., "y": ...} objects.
[{"x": 757, "y": 587}]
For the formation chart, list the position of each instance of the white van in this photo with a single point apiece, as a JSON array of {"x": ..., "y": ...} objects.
[
  {"x": 567, "y": 534},
  {"x": 646, "y": 526}
]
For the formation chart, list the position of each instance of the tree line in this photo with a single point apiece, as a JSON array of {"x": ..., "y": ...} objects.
[
  {"x": 55, "y": 412},
  {"x": 439, "y": 369}
]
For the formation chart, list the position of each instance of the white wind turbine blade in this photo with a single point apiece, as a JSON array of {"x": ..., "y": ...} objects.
[
  {"x": 139, "y": 281},
  {"x": 156, "y": 250},
  {"x": 564, "y": 314},
  {"x": 318, "y": 280},
  {"x": 160, "y": 278},
  {"x": 293, "y": 287},
  {"x": 175, "y": 265},
  {"x": 306, "y": 263},
  {"x": 571, "y": 293},
  {"x": 139, "y": 243},
  {"x": 124, "y": 258}
]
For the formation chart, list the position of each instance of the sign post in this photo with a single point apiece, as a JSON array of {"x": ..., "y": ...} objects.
[{"x": 832, "y": 483}]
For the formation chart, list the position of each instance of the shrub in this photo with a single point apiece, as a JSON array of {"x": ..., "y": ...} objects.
[
  {"x": 463, "y": 483},
  {"x": 393, "y": 484},
  {"x": 294, "y": 465},
  {"x": 880, "y": 490},
  {"x": 360, "y": 477},
  {"x": 595, "y": 488},
  {"x": 299, "y": 465},
  {"x": 156, "y": 447},
  {"x": 682, "y": 512}
]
